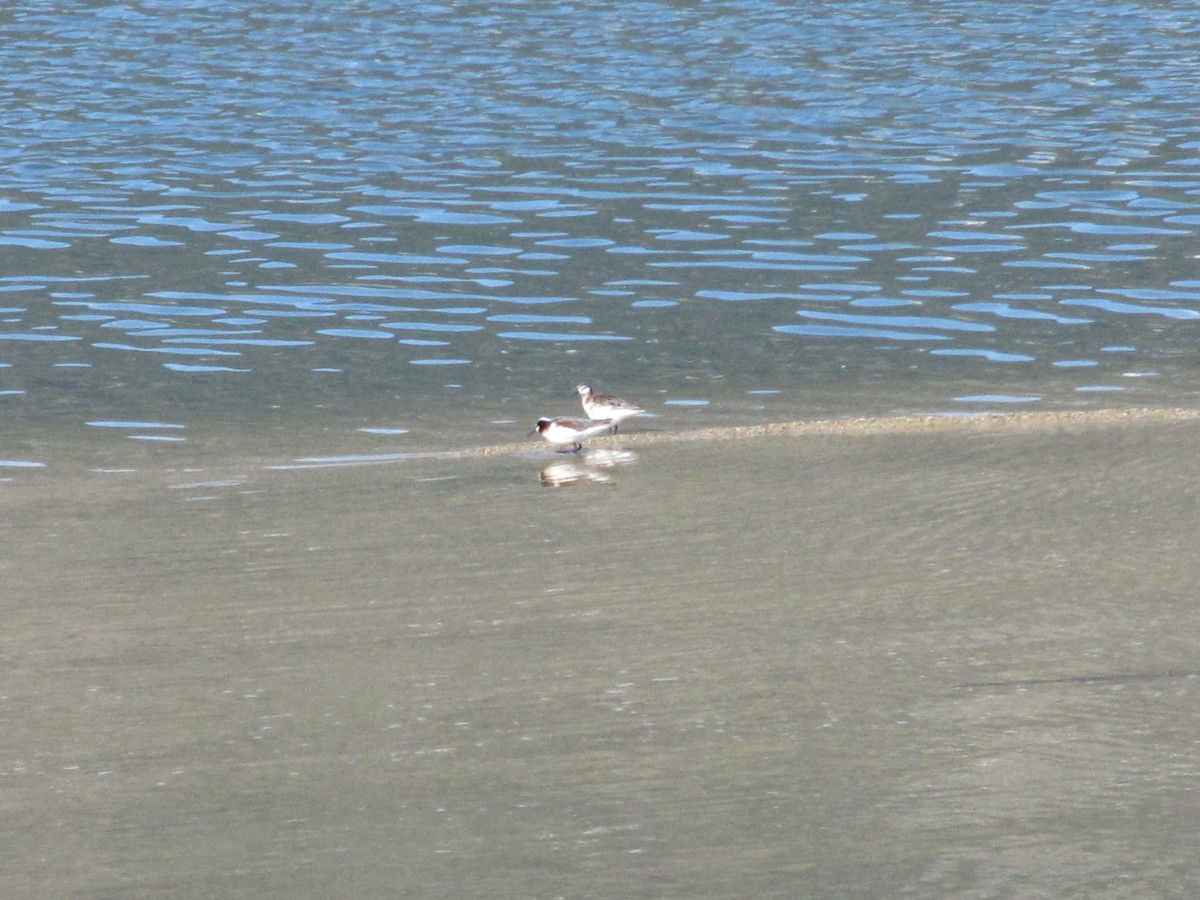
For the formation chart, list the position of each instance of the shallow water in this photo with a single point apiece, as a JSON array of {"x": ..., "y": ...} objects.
[
  {"x": 374, "y": 216},
  {"x": 788, "y": 666}
]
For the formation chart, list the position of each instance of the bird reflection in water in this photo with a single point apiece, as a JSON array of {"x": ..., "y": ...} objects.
[{"x": 594, "y": 465}]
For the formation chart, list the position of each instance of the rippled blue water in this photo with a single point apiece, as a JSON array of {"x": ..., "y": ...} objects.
[{"x": 212, "y": 210}]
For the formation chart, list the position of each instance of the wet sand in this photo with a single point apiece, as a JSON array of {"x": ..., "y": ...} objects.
[
  {"x": 910, "y": 657},
  {"x": 1054, "y": 420}
]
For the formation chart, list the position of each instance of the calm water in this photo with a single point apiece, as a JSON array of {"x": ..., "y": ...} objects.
[
  {"x": 354, "y": 217},
  {"x": 711, "y": 677}
]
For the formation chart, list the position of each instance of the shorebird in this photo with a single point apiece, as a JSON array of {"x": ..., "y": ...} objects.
[
  {"x": 566, "y": 430},
  {"x": 606, "y": 407}
]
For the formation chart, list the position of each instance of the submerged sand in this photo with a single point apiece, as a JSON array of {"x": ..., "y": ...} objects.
[
  {"x": 869, "y": 657},
  {"x": 632, "y": 435},
  {"x": 913, "y": 424}
]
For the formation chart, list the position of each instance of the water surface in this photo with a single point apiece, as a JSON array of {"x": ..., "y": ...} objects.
[
  {"x": 363, "y": 216},
  {"x": 786, "y": 666},
  {"x": 265, "y": 270}
]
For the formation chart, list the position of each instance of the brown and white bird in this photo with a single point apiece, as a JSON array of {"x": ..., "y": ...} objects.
[{"x": 606, "y": 407}]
